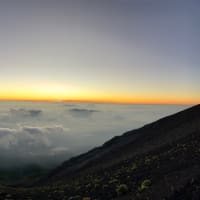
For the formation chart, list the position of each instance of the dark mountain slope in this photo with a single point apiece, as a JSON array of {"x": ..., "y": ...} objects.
[{"x": 155, "y": 136}]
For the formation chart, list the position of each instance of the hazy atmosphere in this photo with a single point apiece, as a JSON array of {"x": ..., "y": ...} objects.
[{"x": 57, "y": 131}]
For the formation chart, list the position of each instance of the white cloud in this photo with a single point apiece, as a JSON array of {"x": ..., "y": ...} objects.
[{"x": 31, "y": 141}]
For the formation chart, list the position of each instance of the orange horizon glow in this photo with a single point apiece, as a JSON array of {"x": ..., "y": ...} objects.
[
  {"x": 59, "y": 92},
  {"x": 108, "y": 100}
]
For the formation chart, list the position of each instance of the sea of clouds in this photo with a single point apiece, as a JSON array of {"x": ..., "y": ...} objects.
[{"x": 49, "y": 133}]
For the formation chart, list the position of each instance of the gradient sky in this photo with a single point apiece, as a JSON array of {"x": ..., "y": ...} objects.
[{"x": 134, "y": 51}]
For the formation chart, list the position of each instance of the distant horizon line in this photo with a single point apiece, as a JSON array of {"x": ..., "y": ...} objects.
[{"x": 99, "y": 102}]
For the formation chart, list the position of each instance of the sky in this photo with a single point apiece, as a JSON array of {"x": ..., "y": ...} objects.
[
  {"x": 47, "y": 133},
  {"x": 130, "y": 51}
]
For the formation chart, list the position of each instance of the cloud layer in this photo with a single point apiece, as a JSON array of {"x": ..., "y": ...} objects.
[
  {"x": 47, "y": 132},
  {"x": 25, "y": 113},
  {"x": 80, "y": 112}
]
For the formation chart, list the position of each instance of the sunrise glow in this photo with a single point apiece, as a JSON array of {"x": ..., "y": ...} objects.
[{"x": 99, "y": 52}]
